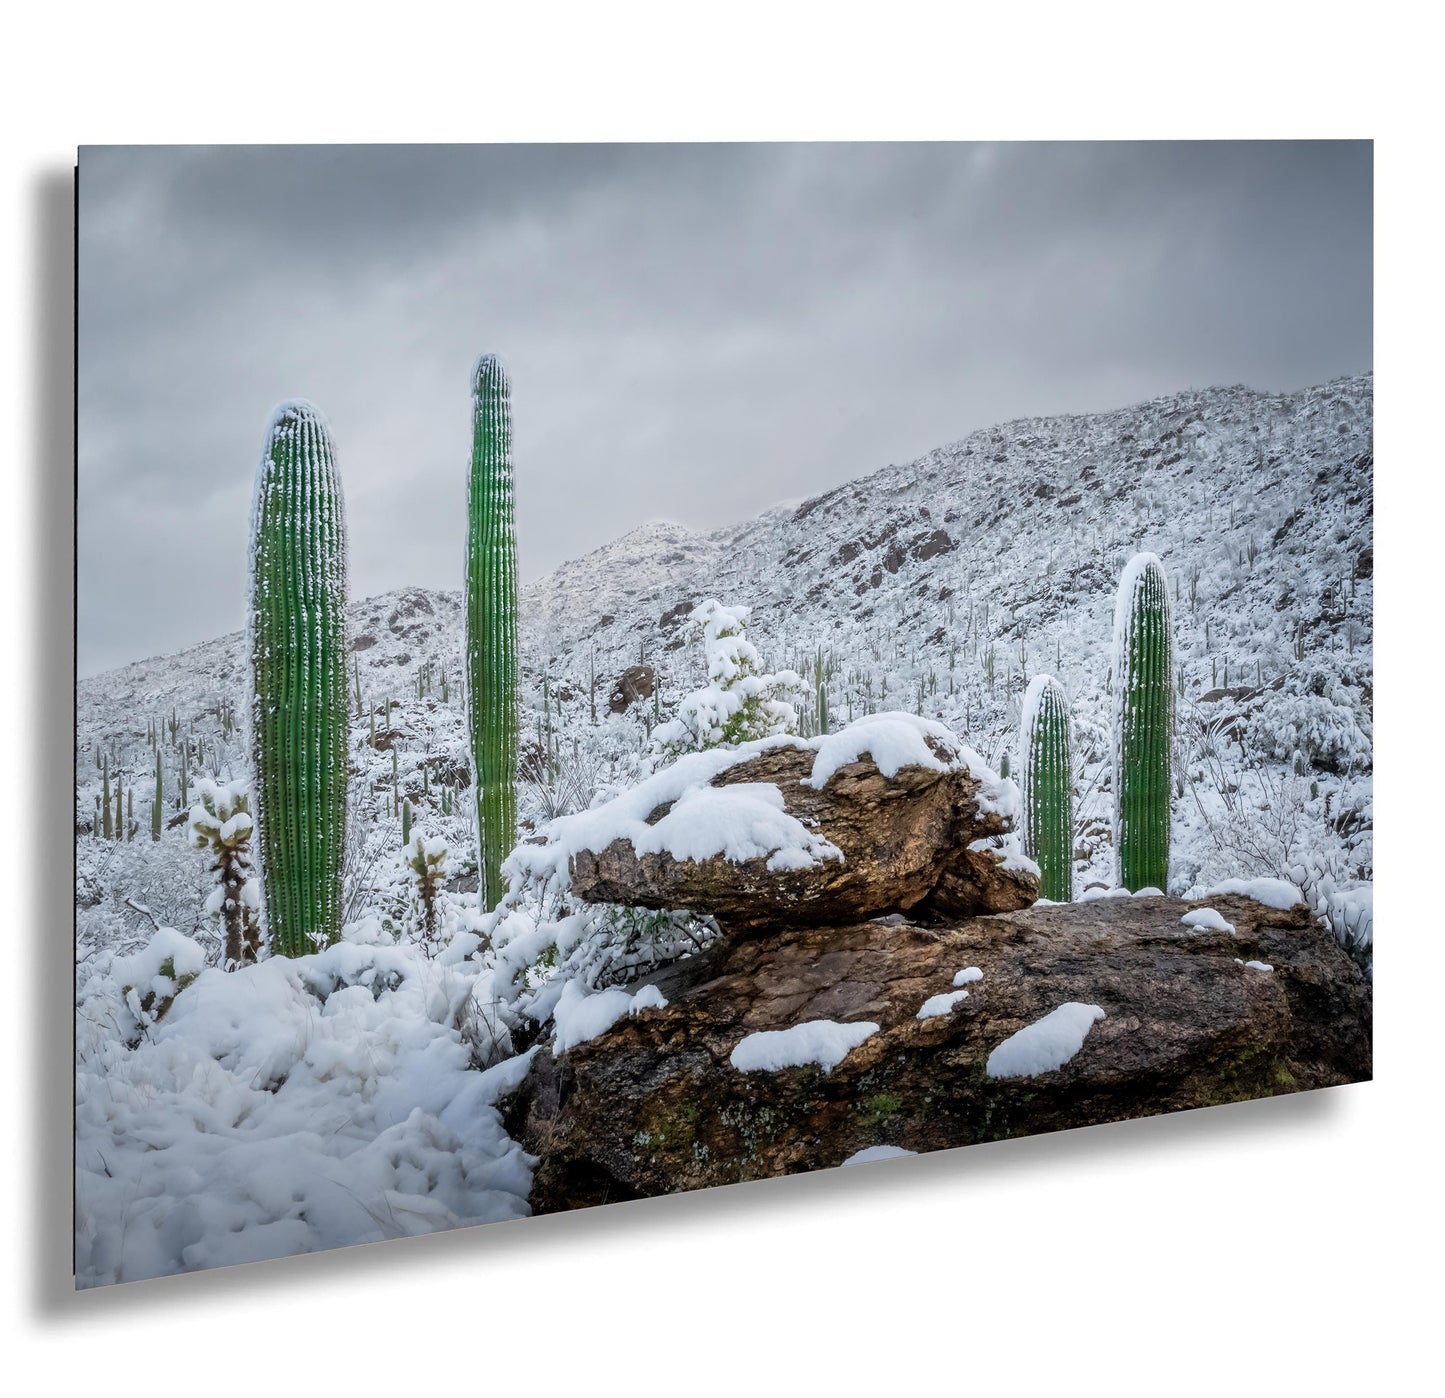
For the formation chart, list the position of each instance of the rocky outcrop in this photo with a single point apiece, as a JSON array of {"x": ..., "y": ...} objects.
[
  {"x": 919, "y": 838},
  {"x": 633, "y": 685},
  {"x": 655, "y": 1104}
]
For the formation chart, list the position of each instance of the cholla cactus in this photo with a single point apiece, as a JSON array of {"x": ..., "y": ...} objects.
[
  {"x": 428, "y": 863},
  {"x": 1048, "y": 786},
  {"x": 220, "y": 824},
  {"x": 738, "y": 704},
  {"x": 1143, "y": 724}
]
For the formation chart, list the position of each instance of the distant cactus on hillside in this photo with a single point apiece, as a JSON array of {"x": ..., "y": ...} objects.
[{"x": 158, "y": 803}]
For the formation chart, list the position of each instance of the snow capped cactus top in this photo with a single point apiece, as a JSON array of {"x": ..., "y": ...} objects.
[
  {"x": 299, "y": 425},
  {"x": 289, "y": 416},
  {"x": 1033, "y": 702},
  {"x": 489, "y": 375},
  {"x": 1144, "y": 570}
]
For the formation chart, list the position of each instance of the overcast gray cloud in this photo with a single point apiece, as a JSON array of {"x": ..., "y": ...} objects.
[{"x": 693, "y": 332}]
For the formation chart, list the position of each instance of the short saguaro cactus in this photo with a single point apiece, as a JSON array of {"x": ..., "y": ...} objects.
[
  {"x": 1048, "y": 786},
  {"x": 1143, "y": 727}
]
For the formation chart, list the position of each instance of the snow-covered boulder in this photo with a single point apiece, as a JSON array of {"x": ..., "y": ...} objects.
[
  {"x": 770, "y": 1055},
  {"x": 887, "y": 814}
]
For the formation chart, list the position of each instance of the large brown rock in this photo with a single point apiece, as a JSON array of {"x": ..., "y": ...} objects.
[
  {"x": 905, "y": 841},
  {"x": 654, "y": 1106},
  {"x": 633, "y": 685}
]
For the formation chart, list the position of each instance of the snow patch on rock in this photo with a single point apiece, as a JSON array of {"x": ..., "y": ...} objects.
[
  {"x": 1207, "y": 920},
  {"x": 1046, "y": 1044},
  {"x": 823, "y": 1042},
  {"x": 937, "y": 1005},
  {"x": 579, "y": 1017},
  {"x": 1273, "y": 893}
]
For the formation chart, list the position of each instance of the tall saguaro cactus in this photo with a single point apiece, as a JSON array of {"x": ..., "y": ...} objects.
[
  {"x": 1048, "y": 786},
  {"x": 1143, "y": 724},
  {"x": 299, "y": 681},
  {"x": 491, "y": 599}
]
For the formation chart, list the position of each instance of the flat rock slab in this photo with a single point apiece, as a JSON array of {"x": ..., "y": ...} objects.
[
  {"x": 905, "y": 841},
  {"x": 655, "y": 1106}
]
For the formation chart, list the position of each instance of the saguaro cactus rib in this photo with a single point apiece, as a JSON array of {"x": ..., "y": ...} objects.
[{"x": 299, "y": 680}]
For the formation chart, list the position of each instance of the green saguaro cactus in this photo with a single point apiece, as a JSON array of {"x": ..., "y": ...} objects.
[
  {"x": 1048, "y": 786},
  {"x": 299, "y": 682},
  {"x": 491, "y": 641},
  {"x": 1143, "y": 700}
]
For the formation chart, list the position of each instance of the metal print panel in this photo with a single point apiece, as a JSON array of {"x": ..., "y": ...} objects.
[{"x": 609, "y": 671}]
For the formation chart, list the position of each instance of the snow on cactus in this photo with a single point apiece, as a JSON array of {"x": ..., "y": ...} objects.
[
  {"x": 299, "y": 708},
  {"x": 1048, "y": 786},
  {"x": 220, "y": 824},
  {"x": 738, "y": 704},
  {"x": 1143, "y": 713}
]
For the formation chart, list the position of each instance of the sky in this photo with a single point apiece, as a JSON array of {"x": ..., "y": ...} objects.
[{"x": 694, "y": 333}]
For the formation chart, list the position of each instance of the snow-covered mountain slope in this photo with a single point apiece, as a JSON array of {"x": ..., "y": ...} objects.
[{"x": 938, "y": 586}]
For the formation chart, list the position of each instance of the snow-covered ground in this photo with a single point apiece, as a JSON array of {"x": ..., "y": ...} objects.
[
  {"x": 292, "y": 1106},
  {"x": 938, "y": 588}
]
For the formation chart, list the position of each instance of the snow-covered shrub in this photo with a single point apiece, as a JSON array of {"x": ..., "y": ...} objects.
[
  {"x": 1312, "y": 714},
  {"x": 121, "y": 998},
  {"x": 1345, "y": 906},
  {"x": 220, "y": 824},
  {"x": 544, "y": 940},
  {"x": 738, "y": 704}
]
